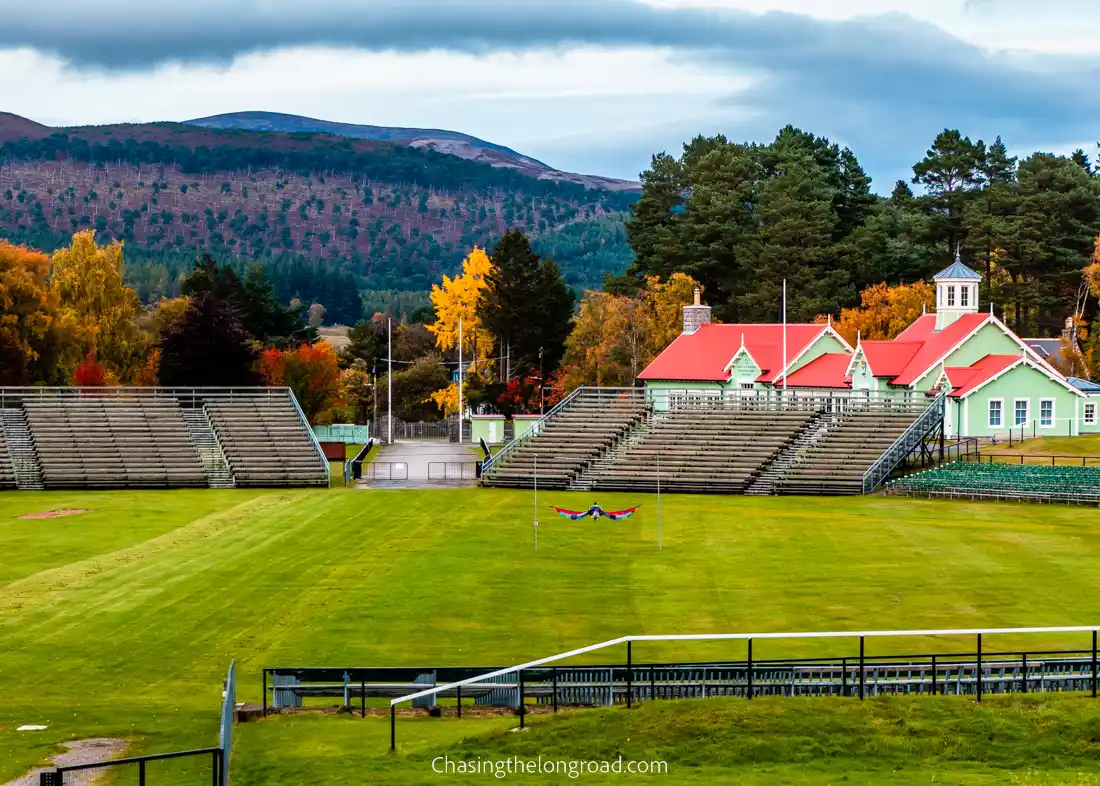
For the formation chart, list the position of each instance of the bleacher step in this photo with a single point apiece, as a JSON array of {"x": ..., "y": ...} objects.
[
  {"x": 214, "y": 463},
  {"x": 24, "y": 457}
]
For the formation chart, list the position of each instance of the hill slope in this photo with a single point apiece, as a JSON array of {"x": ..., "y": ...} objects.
[
  {"x": 325, "y": 214},
  {"x": 450, "y": 142}
]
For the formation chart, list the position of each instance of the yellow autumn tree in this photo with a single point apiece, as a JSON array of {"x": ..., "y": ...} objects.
[
  {"x": 89, "y": 282},
  {"x": 454, "y": 301},
  {"x": 885, "y": 312},
  {"x": 33, "y": 341},
  {"x": 615, "y": 337}
]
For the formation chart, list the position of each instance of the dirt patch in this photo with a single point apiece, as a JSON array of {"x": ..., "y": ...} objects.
[
  {"x": 55, "y": 514},
  {"x": 79, "y": 752}
]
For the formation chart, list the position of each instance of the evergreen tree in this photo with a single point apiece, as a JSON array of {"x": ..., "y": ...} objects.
[
  {"x": 527, "y": 305},
  {"x": 206, "y": 345},
  {"x": 951, "y": 172}
]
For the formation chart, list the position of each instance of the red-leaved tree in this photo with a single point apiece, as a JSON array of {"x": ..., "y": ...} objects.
[
  {"x": 312, "y": 371},
  {"x": 90, "y": 373}
]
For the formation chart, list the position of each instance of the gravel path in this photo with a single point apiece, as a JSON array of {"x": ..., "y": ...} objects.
[
  {"x": 417, "y": 455},
  {"x": 79, "y": 752}
]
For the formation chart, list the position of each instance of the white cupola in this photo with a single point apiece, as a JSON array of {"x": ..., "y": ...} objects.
[{"x": 956, "y": 292}]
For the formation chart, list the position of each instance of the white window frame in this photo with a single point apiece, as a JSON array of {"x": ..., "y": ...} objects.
[
  {"x": 951, "y": 296},
  {"x": 1053, "y": 414},
  {"x": 1000, "y": 411},
  {"x": 1027, "y": 412},
  {"x": 1090, "y": 407},
  {"x": 747, "y": 386},
  {"x": 964, "y": 297}
]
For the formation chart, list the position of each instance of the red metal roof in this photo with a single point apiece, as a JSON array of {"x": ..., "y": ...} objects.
[
  {"x": 935, "y": 346},
  {"x": 827, "y": 371},
  {"x": 889, "y": 358},
  {"x": 703, "y": 355},
  {"x": 965, "y": 379}
]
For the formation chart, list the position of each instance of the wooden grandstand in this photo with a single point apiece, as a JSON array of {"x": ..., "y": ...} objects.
[
  {"x": 798, "y": 443},
  {"x": 110, "y": 438}
]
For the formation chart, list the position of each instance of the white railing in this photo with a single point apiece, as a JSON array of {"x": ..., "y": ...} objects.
[
  {"x": 747, "y": 637},
  {"x": 312, "y": 437},
  {"x": 533, "y": 429}
]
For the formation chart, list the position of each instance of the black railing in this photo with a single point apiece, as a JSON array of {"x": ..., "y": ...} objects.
[{"x": 144, "y": 773}]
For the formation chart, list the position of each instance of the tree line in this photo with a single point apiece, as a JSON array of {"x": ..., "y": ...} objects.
[{"x": 742, "y": 217}]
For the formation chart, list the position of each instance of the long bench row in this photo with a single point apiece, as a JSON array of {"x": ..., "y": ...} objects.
[
  {"x": 144, "y": 441},
  {"x": 566, "y": 444},
  {"x": 1004, "y": 481},
  {"x": 717, "y": 451}
]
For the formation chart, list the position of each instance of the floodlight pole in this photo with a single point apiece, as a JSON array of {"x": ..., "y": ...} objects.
[
  {"x": 784, "y": 334},
  {"x": 389, "y": 380}
]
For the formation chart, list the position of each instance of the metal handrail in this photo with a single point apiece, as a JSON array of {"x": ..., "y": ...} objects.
[
  {"x": 504, "y": 451},
  {"x": 312, "y": 437},
  {"x": 903, "y": 444}
]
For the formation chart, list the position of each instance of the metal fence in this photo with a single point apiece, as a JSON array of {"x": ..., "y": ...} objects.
[
  {"x": 386, "y": 470},
  {"x": 229, "y": 711},
  {"x": 347, "y": 433},
  {"x": 452, "y": 470},
  {"x": 440, "y": 430},
  {"x": 978, "y": 673},
  {"x": 196, "y": 766}
]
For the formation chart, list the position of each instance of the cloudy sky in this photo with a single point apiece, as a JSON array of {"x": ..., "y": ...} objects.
[{"x": 585, "y": 85}]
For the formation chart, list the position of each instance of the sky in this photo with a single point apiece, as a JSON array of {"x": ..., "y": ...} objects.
[{"x": 593, "y": 86}]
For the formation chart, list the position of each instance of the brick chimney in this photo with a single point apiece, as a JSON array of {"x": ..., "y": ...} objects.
[{"x": 696, "y": 314}]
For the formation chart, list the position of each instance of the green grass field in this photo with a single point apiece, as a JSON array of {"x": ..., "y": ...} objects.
[{"x": 122, "y": 621}]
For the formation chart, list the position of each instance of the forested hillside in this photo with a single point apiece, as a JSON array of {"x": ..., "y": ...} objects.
[{"x": 328, "y": 218}]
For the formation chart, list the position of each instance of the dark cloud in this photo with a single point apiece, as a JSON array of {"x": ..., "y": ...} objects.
[{"x": 876, "y": 83}]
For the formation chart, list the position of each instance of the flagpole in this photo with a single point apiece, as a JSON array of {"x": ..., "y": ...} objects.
[
  {"x": 389, "y": 378},
  {"x": 784, "y": 334},
  {"x": 460, "y": 380}
]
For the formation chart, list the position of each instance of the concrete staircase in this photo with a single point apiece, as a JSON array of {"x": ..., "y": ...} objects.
[
  {"x": 209, "y": 449},
  {"x": 585, "y": 480},
  {"x": 24, "y": 457},
  {"x": 789, "y": 456}
]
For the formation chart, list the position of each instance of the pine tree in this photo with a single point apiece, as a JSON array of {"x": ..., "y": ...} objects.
[
  {"x": 206, "y": 345},
  {"x": 951, "y": 173},
  {"x": 527, "y": 305}
]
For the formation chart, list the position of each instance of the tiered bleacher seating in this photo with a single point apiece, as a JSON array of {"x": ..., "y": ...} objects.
[
  {"x": 567, "y": 443},
  {"x": 855, "y": 439},
  {"x": 7, "y": 471},
  {"x": 265, "y": 441},
  {"x": 716, "y": 450},
  {"x": 1028, "y": 482},
  {"x": 108, "y": 442}
]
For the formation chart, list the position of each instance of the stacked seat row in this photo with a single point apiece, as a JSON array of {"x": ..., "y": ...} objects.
[
  {"x": 697, "y": 450},
  {"x": 112, "y": 443},
  {"x": 1040, "y": 483},
  {"x": 566, "y": 443},
  {"x": 266, "y": 442},
  {"x": 7, "y": 470},
  {"x": 853, "y": 442}
]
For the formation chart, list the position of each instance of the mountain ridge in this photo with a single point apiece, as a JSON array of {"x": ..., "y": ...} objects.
[{"x": 444, "y": 141}]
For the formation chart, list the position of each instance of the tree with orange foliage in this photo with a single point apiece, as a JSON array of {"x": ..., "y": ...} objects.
[
  {"x": 312, "y": 371},
  {"x": 886, "y": 311},
  {"x": 615, "y": 336},
  {"x": 33, "y": 338}
]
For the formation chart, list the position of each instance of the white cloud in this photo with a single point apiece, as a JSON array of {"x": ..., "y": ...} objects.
[{"x": 539, "y": 102}]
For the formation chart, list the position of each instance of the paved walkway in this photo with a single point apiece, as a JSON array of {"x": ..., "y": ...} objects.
[{"x": 417, "y": 455}]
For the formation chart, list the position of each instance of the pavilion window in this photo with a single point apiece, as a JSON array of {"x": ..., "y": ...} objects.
[
  {"x": 995, "y": 413},
  {"x": 1021, "y": 412},
  {"x": 1090, "y": 414},
  {"x": 964, "y": 296},
  {"x": 951, "y": 296},
  {"x": 1046, "y": 413}
]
